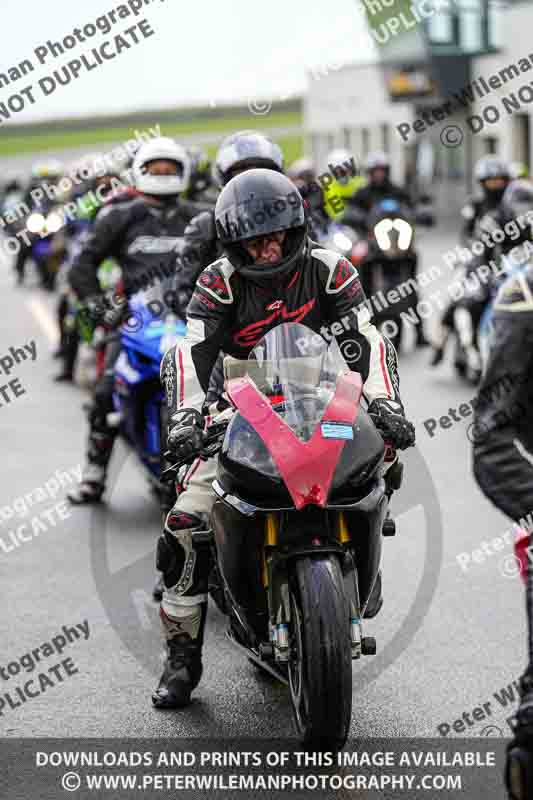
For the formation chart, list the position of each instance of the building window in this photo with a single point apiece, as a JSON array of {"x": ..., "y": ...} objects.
[
  {"x": 470, "y": 26},
  {"x": 495, "y": 34},
  {"x": 440, "y": 29}
]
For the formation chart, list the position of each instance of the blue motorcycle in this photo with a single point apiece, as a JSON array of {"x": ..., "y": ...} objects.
[{"x": 140, "y": 408}]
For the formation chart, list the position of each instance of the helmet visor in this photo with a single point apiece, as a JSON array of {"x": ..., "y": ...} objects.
[{"x": 259, "y": 216}]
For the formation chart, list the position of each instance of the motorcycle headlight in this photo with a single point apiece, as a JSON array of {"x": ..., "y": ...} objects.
[
  {"x": 401, "y": 228},
  {"x": 381, "y": 233},
  {"x": 342, "y": 242},
  {"x": 54, "y": 222},
  {"x": 35, "y": 223},
  {"x": 405, "y": 233}
]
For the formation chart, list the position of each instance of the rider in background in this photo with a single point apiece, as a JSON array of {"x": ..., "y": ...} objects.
[
  {"x": 339, "y": 194},
  {"x": 12, "y": 198},
  {"x": 143, "y": 234},
  {"x": 95, "y": 194},
  {"x": 240, "y": 151},
  {"x": 303, "y": 174},
  {"x": 493, "y": 175},
  {"x": 378, "y": 186},
  {"x": 201, "y": 189}
]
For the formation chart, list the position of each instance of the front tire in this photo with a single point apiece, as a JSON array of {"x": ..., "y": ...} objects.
[{"x": 320, "y": 666}]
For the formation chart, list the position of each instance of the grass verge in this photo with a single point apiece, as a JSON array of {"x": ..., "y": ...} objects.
[{"x": 62, "y": 139}]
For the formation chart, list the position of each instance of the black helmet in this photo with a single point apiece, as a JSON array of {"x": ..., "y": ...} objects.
[
  {"x": 245, "y": 150},
  {"x": 256, "y": 203}
]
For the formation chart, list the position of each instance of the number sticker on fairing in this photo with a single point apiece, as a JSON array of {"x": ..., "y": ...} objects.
[{"x": 336, "y": 430}]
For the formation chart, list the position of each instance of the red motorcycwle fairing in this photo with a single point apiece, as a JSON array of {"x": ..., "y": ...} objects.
[{"x": 298, "y": 521}]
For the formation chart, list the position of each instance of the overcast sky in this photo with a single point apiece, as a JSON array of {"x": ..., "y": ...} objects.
[{"x": 201, "y": 52}]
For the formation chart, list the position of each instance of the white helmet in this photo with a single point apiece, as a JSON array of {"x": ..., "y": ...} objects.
[
  {"x": 339, "y": 157},
  {"x": 162, "y": 148},
  {"x": 303, "y": 168},
  {"x": 377, "y": 160}
]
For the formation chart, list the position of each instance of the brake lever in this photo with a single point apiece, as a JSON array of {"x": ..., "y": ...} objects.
[{"x": 209, "y": 449}]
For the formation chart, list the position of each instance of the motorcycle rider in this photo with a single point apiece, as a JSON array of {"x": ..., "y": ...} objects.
[
  {"x": 142, "y": 234},
  {"x": 503, "y": 460},
  {"x": 339, "y": 194},
  {"x": 75, "y": 233},
  {"x": 12, "y": 197},
  {"x": 493, "y": 175},
  {"x": 271, "y": 272},
  {"x": 238, "y": 152},
  {"x": 200, "y": 188},
  {"x": 379, "y": 185},
  {"x": 303, "y": 174}
]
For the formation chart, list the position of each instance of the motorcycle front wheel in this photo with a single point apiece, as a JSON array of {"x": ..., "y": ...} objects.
[{"x": 320, "y": 662}]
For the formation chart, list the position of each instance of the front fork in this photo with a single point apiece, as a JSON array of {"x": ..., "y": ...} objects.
[{"x": 276, "y": 583}]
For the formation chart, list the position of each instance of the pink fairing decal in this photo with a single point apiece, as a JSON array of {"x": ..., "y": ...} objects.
[{"x": 306, "y": 467}]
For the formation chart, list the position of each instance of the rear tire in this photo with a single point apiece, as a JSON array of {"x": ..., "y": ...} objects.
[{"x": 320, "y": 667}]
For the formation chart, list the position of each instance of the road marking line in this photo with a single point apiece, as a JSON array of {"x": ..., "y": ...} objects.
[{"x": 45, "y": 319}]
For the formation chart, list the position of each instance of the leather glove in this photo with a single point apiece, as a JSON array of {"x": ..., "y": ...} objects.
[
  {"x": 102, "y": 312},
  {"x": 185, "y": 440},
  {"x": 389, "y": 419},
  {"x": 94, "y": 307}
]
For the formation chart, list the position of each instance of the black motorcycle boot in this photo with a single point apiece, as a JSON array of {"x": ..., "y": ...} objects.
[
  {"x": 185, "y": 562},
  {"x": 91, "y": 487},
  {"x": 65, "y": 376},
  {"x": 92, "y": 484},
  {"x": 69, "y": 352},
  {"x": 183, "y": 665}
]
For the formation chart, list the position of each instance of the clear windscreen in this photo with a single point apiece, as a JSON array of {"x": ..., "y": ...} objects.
[{"x": 296, "y": 369}]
